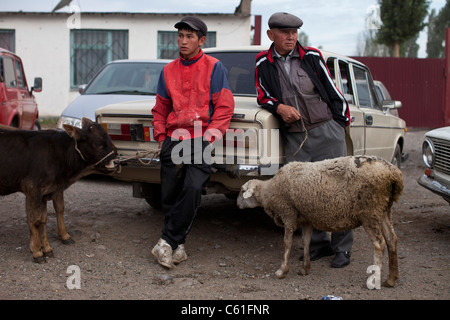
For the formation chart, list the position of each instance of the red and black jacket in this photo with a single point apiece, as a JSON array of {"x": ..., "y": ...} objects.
[
  {"x": 189, "y": 92},
  {"x": 269, "y": 88}
]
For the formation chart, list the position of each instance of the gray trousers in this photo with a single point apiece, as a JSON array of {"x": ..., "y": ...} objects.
[{"x": 326, "y": 141}]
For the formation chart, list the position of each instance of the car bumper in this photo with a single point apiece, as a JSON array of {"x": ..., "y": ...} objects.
[
  {"x": 236, "y": 170},
  {"x": 435, "y": 186}
]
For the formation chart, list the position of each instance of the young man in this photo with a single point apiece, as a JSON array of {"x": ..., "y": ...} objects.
[
  {"x": 294, "y": 84},
  {"x": 194, "y": 103}
]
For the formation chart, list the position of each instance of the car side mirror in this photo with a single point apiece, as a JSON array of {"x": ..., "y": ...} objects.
[
  {"x": 392, "y": 104},
  {"x": 81, "y": 88},
  {"x": 37, "y": 87}
]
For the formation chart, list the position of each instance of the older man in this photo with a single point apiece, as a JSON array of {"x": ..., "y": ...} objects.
[{"x": 294, "y": 84}]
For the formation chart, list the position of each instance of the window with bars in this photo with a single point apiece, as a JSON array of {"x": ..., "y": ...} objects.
[
  {"x": 7, "y": 39},
  {"x": 168, "y": 47},
  {"x": 92, "y": 49}
]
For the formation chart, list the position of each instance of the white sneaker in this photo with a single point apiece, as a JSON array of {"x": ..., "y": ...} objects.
[
  {"x": 163, "y": 253},
  {"x": 179, "y": 255}
]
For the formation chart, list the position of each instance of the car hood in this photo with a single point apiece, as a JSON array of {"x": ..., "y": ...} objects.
[
  {"x": 441, "y": 133},
  {"x": 245, "y": 109},
  {"x": 85, "y": 105}
]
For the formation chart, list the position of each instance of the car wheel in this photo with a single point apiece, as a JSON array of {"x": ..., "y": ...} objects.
[{"x": 397, "y": 159}]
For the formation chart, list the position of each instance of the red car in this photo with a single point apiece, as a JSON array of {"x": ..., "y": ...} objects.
[{"x": 18, "y": 107}]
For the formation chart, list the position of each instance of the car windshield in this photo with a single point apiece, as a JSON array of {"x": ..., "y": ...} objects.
[
  {"x": 127, "y": 78},
  {"x": 241, "y": 71}
]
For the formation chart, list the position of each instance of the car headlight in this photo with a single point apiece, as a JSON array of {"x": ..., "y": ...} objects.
[
  {"x": 428, "y": 153},
  {"x": 75, "y": 122}
]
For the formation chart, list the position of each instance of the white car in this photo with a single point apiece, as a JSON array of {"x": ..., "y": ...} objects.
[
  {"x": 436, "y": 156},
  {"x": 117, "y": 81},
  {"x": 252, "y": 147}
]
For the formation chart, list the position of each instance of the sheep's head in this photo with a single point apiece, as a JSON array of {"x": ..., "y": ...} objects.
[{"x": 248, "y": 197}]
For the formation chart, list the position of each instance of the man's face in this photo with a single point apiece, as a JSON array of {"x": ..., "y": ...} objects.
[
  {"x": 189, "y": 44},
  {"x": 284, "y": 39}
]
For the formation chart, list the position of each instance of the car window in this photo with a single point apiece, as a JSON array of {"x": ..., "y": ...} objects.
[
  {"x": 379, "y": 93},
  {"x": 241, "y": 71},
  {"x": 9, "y": 73},
  {"x": 345, "y": 83},
  {"x": 20, "y": 75},
  {"x": 127, "y": 78},
  {"x": 365, "y": 90}
]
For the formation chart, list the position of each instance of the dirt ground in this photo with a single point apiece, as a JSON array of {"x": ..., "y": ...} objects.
[{"x": 233, "y": 254}]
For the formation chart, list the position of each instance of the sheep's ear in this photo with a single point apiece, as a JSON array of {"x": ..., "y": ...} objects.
[{"x": 247, "y": 194}]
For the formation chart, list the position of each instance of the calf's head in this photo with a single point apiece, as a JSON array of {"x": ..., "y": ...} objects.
[
  {"x": 249, "y": 195},
  {"x": 94, "y": 145}
]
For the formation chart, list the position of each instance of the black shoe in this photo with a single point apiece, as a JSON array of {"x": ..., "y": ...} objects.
[
  {"x": 319, "y": 253},
  {"x": 341, "y": 259}
]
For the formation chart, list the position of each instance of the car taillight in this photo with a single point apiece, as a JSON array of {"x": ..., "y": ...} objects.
[{"x": 129, "y": 132}]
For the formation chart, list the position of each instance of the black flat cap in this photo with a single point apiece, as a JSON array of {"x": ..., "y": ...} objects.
[
  {"x": 283, "y": 20},
  {"x": 193, "y": 23}
]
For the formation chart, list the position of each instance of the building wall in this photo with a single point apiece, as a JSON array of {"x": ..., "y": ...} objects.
[{"x": 42, "y": 40}]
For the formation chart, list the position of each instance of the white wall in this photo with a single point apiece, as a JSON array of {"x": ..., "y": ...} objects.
[{"x": 43, "y": 43}]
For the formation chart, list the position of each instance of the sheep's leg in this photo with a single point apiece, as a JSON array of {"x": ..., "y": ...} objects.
[
  {"x": 391, "y": 241},
  {"x": 374, "y": 232},
  {"x": 306, "y": 238},
  {"x": 284, "y": 269}
]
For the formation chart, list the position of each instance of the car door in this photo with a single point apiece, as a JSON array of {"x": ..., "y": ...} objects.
[
  {"x": 26, "y": 101},
  {"x": 379, "y": 136},
  {"x": 341, "y": 73},
  {"x": 11, "y": 105}
]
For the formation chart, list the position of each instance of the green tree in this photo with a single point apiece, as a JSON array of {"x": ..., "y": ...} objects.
[
  {"x": 402, "y": 20},
  {"x": 436, "y": 31},
  {"x": 303, "y": 39}
]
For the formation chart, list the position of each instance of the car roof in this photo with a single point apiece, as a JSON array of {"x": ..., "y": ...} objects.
[
  {"x": 165, "y": 61},
  {"x": 2, "y": 50},
  {"x": 325, "y": 53}
]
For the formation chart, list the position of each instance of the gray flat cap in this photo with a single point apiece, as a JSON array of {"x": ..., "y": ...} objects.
[{"x": 283, "y": 20}]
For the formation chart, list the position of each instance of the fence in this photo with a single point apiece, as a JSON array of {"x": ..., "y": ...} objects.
[{"x": 418, "y": 83}]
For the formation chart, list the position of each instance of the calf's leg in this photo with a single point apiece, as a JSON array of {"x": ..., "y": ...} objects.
[
  {"x": 35, "y": 211},
  {"x": 284, "y": 269},
  {"x": 58, "y": 204}
]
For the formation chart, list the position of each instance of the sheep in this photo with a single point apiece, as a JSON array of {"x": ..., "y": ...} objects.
[{"x": 331, "y": 195}]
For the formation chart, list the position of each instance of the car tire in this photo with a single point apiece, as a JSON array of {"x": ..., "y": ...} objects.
[{"x": 397, "y": 159}]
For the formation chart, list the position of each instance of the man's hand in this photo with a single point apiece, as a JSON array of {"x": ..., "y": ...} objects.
[
  {"x": 160, "y": 144},
  {"x": 288, "y": 113}
]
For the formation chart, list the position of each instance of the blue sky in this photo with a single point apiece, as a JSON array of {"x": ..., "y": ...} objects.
[{"x": 332, "y": 24}]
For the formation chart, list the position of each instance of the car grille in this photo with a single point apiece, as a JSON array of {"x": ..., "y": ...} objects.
[{"x": 442, "y": 155}]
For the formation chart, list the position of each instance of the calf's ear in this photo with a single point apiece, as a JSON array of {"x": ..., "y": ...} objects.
[
  {"x": 86, "y": 122},
  {"x": 74, "y": 132}
]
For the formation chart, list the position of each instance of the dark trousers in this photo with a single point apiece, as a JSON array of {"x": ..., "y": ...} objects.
[
  {"x": 181, "y": 187},
  {"x": 326, "y": 141}
]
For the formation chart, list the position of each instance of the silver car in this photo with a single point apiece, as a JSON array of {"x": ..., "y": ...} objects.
[
  {"x": 436, "y": 155},
  {"x": 117, "y": 81}
]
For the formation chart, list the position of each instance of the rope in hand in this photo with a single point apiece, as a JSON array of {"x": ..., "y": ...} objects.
[{"x": 304, "y": 140}]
